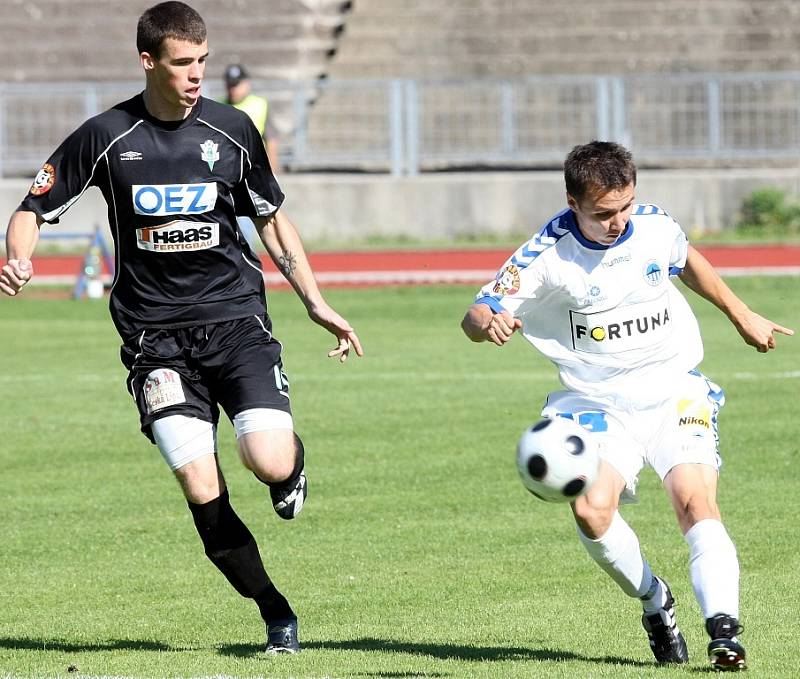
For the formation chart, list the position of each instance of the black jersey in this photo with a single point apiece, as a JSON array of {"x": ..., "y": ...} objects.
[{"x": 173, "y": 191}]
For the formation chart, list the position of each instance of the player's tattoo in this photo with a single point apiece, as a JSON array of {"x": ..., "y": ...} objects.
[{"x": 288, "y": 263}]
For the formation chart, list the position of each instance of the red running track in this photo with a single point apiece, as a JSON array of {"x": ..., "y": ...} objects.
[{"x": 451, "y": 266}]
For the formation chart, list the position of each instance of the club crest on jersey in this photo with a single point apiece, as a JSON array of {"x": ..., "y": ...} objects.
[
  {"x": 209, "y": 152},
  {"x": 162, "y": 200},
  {"x": 44, "y": 180},
  {"x": 652, "y": 272},
  {"x": 178, "y": 236},
  {"x": 507, "y": 281}
]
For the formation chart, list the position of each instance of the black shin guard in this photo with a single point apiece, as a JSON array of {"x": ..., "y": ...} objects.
[{"x": 232, "y": 549}]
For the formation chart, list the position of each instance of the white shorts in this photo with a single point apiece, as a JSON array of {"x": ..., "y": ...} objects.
[{"x": 681, "y": 429}]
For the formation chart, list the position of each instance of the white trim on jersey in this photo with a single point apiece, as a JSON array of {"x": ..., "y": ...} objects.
[
  {"x": 263, "y": 327},
  {"x": 247, "y": 261},
  {"x": 271, "y": 337},
  {"x": 135, "y": 361},
  {"x": 257, "y": 204},
  {"x": 55, "y": 214},
  {"x": 141, "y": 339},
  {"x": 246, "y": 152},
  {"x": 116, "y": 224}
]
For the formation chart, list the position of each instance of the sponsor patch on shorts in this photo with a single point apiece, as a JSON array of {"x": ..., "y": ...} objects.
[
  {"x": 693, "y": 416},
  {"x": 162, "y": 389}
]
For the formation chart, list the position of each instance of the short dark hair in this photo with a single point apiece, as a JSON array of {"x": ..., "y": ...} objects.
[
  {"x": 598, "y": 166},
  {"x": 168, "y": 20}
]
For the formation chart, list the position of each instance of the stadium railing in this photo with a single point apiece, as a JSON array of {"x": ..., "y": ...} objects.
[{"x": 406, "y": 126}]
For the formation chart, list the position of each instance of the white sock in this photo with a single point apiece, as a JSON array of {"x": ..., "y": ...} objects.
[
  {"x": 714, "y": 568},
  {"x": 656, "y": 596},
  {"x": 617, "y": 552}
]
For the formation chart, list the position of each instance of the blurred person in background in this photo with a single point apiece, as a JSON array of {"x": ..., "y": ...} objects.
[{"x": 240, "y": 95}]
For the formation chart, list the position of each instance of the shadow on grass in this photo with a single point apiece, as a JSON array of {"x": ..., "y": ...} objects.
[
  {"x": 443, "y": 651},
  {"x": 75, "y": 647}
]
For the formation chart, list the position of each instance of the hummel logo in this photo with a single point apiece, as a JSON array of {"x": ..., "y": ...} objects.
[{"x": 130, "y": 155}]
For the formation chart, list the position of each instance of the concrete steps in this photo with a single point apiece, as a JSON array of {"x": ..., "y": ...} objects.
[
  {"x": 464, "y": 38},
  {"x": 89, "y": 40}
]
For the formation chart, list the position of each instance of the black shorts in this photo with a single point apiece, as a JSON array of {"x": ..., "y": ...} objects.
[{"x": 192, "y": 371}]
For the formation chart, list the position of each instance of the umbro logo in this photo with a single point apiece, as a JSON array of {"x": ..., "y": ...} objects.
[{"x": 130, "y": 155}]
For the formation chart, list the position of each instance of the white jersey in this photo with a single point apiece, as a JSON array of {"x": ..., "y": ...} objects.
[{"x": 607, "y": 315}]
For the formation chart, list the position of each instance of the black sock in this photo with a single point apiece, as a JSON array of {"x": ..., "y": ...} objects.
[
  {"x": 232, "y": 549},
  {"x": 273, "y": 605}
]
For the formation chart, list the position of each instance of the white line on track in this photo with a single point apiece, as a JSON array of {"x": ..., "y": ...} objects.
[
  {"x": 388, "y": 375},
  {"x": 787, "y": 375},
  {"x": 435, "y": 276}
]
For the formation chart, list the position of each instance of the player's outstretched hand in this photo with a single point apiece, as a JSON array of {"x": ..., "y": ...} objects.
[
  {"x": 326, "y": 317},
  {"x": 502, "y": 327},
  {"x": 758, "y": 331},
  {"x": 14, "y": 275}
]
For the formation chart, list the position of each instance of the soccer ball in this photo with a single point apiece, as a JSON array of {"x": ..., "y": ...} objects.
[{"x": 557, "y": 460}]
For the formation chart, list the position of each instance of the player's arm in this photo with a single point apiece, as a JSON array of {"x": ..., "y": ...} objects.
[
  {"x": 700, "y": 276},
  {"x": 481, "y": 323},
  {"x": 270, "y": 138},
  {"x": 21, "y": 238},
  {"x": 271, "y": 147},
  {"x": 284, "y": 246}
]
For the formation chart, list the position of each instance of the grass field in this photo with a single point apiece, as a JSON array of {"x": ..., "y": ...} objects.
[{"x": 419, "y": 553}]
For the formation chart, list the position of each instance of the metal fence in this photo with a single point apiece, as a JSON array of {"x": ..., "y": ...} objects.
[{"x": 409, "y": 126}]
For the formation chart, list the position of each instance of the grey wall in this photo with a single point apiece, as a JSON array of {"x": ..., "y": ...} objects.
[{"x": 351, "y": 208}]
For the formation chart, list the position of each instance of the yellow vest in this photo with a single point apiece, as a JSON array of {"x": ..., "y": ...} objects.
[{"x": 256, "y": 107}]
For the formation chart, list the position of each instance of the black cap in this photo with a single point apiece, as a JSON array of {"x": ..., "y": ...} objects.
[{"x": 234, "y": 74}]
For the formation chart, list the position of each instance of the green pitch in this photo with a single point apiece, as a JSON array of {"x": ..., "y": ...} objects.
[{"x": 419, "y": 554}]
